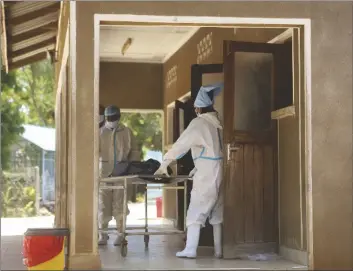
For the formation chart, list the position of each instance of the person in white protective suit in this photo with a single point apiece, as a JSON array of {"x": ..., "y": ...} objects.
[
  {"x": 117, "y": 144},
  {"x": 203, "y": 137}
]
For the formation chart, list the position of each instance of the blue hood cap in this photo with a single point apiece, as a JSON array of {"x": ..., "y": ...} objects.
[
  {"x": 111, "y": 110},
  {"x": 202, "y": 98}
]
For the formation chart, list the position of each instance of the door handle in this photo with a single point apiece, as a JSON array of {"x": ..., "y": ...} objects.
[{"x": 231, "y": 148}]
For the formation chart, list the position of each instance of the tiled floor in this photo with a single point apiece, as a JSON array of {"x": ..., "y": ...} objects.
[
  {"x": 11, "y": 253},
  {"x": 161, "y": 256}
]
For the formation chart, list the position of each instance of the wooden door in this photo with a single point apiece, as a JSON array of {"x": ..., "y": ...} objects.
[
  {"x": 252, "y": 78},
  {"x": 201, "y": 75}
]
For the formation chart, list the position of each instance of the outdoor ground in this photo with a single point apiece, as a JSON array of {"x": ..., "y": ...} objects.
[{"x": 160, "y": 255}]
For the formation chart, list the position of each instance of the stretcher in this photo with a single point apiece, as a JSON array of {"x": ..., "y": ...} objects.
[{"x": 163, "y": 182}]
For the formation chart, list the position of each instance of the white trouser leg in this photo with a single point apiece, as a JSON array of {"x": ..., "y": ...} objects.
[
  {"x": 118, "y": 207},
  {"x": 192, "y": 242},
  {"x": 217, "y": 239},
  {"x": 119, "y": 223},
  {"x": 104, "y": 214}
]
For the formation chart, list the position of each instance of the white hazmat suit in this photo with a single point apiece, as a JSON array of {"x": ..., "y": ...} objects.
[
  {"x": 115, "y": 145},
  {"x": 203, "y": 137}
]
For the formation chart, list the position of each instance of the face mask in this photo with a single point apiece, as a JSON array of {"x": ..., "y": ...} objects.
[{"x": 111, "y": 124}]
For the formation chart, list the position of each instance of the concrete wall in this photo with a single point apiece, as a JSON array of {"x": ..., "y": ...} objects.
[
  {"x": 331, "y": 232},
  {"x": 131, "y": 85}
]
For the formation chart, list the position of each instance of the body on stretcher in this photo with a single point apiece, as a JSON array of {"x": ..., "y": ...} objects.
[{"x": 122, "y": 182}]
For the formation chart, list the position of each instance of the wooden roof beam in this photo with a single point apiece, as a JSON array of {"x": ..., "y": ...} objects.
[
  {"x": 3, "y": 37},
  {"x": 31, "y": 12},
  {"x": 31, "y": 41},
  {"x": 43, "y": 20},
  {"x": 33, "y": 33},
  {"x": 49, "y": 49},
  {"x": 58, "y": 36},
  {"x": 9, "y": 3},
  {"x": 27, "y": 61},
  {"x": 41, "y": 45}
]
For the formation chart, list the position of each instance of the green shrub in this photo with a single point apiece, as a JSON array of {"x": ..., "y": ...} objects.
[{"x": 17, "y": 199}]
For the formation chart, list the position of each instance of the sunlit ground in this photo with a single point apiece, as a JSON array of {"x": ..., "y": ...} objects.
[
  {"x": 160, "y": 255},
  {"x": 18, "y": 226},
  {"x": 12, "y": 230}
]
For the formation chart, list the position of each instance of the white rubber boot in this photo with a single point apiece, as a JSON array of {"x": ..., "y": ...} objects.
[
  {"x": 217, "y": 239},
  {"x": 119, "y": 226},
  {"x": 118, "y": 239},
  {"x": 103, "y": 239},
  {"x": 192, "y": 242}
]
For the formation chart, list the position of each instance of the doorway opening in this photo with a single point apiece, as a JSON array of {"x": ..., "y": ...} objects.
[{"x": 261, "y": 74}]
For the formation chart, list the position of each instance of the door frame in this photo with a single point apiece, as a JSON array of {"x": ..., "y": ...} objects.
[
  {"x": 196, "y": 75},
  {"x": 181, "y": 105},
  {"x": 210, "y": 21}
]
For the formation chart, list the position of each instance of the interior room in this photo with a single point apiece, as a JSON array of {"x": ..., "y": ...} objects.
[{"x": 144, "y": 67}]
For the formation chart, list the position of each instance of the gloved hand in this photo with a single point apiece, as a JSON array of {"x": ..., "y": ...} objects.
[
  {"x": 162, "y": 171},
  {"x": 192, "y": 172}
]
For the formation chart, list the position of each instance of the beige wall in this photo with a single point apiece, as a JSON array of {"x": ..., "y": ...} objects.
[
  {"x": 331, "y": 113},
  {"x": 131, "y": 85}
]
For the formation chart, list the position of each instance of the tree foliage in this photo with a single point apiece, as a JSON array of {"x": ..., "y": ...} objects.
[
  {"x": 146, "y": 127},
  {"x": 37, "y": 83},
  {"x": 17, "y": 198},
  {"x": 27, "y": 97},
  {"x": 12, "y": 117}
]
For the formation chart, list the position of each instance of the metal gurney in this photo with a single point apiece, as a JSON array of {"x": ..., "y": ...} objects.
[{"x": 122, "y": 182}]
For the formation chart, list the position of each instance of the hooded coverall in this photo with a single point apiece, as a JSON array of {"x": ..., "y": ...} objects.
[
  {"x": 115, "y": 145},
  {"x": 203, "y": 137}
]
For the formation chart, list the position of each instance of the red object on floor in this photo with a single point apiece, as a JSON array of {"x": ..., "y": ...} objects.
[
  {"x": 40, "y": 249},
  {"x": 159, "y": 205}
]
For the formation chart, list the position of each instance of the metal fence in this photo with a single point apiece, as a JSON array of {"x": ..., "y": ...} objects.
[
  {"x": 24, "y": 169},
  {"x": 48, "y": 180}
]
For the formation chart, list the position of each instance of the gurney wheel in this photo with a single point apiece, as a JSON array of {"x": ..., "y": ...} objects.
[
  {"x": 146, "y": 239},
  {"x": 123, "y": 250}
]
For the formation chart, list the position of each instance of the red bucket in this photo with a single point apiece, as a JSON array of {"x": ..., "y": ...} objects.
[
  {"x": 43, "y": 249},
  {"x": 159, "y": 205}
]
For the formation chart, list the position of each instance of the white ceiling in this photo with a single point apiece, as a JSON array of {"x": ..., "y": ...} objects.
[{"x": 150, "y": 44}]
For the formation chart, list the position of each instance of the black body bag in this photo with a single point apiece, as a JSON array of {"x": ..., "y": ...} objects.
[{"x": 148, "y": 167}]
